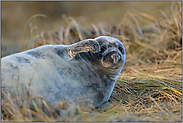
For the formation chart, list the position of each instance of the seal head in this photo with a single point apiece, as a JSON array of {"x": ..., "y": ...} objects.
[
  {"x": 112, "y": 51},
  {"x": 111, "y": 57}
]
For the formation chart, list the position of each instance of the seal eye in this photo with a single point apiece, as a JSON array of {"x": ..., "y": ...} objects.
[
  {"x": 121, "y": 49},
  {"x": 103, "y": 48}
]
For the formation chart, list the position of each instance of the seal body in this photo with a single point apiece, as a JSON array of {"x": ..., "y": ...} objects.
[{"x": 84, "y": 72}]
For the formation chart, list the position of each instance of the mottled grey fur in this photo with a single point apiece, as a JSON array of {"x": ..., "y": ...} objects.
[{"x": 84, "y": 72}]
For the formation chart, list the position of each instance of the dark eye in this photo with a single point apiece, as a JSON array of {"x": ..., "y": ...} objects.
[
  {"x": 103, "y": 48},
  {"x": 121, "y": 49}
]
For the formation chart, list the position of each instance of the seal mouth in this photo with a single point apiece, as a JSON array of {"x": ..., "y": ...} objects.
[
  {"x": 115, "y": 57},
  {"x": 112, "y": 60}
]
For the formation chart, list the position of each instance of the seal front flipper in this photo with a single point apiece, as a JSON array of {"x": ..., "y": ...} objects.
[{"x": 82, "y": 46}]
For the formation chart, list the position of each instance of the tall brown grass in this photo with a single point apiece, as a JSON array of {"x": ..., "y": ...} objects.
[{"x": 149, "y": 87}]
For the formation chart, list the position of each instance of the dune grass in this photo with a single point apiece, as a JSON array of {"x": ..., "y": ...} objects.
[{"x": 149, "y": 87}]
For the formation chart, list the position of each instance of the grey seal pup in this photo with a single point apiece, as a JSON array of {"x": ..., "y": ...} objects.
[{"x": 84, "y": 72}]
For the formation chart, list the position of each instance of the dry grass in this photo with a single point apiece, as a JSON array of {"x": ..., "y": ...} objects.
[{"x": 149, "y": 87}]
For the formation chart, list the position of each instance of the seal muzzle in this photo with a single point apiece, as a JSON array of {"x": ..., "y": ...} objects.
[
  {"x": 115, "y": 57},
  {"x": 112, "y": 60}
]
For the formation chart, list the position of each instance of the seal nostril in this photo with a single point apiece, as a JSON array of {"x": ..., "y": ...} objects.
[{"x": 115, "y": 58}]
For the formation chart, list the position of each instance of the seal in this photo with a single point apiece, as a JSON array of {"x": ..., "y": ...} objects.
[{"x": 84, "y": 72}]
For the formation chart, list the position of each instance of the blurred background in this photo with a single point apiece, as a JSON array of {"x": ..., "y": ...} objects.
[
  {"x": 149, "y": 87},
  {"x": 14, "y": 16}
]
